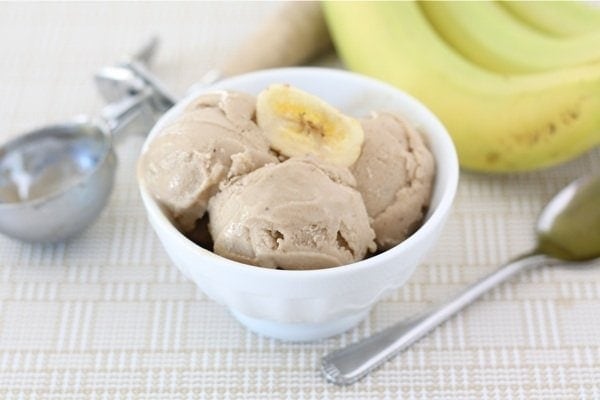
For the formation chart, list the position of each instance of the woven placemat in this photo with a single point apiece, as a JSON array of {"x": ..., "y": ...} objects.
[{"x": 107, "y": 316}]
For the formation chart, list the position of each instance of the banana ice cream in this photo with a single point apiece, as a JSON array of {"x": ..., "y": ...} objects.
[
  {"x": 299, "y": 214},
  {"x": 215, "y": 139},
  {"x": 287, "y": 181},
  {"x": 394, "y": 174}
]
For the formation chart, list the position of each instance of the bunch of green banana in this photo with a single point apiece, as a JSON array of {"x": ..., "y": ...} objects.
[{"x": 507, "y": 107}]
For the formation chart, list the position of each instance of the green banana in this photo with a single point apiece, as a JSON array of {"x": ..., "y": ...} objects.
[
  {"x": 488, "y": 35},
  {"x": 557, "y": 18},
  {"x": 499, "y": 123}
]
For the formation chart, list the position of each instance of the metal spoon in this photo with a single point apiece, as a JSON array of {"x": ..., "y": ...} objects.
[{"x": 568, "y": 232}]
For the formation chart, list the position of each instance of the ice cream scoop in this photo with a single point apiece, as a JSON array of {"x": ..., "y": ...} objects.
[{"x": 55, "y": 180}]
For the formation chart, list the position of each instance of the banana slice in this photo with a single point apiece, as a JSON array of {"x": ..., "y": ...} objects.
[{"x": 297, "y": 123}]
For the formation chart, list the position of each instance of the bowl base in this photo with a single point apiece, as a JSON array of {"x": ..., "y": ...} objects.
[{"x": 299, "y": 332}]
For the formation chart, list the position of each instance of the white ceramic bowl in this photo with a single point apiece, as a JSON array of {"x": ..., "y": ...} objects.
[{"x": 308, "y": 305}]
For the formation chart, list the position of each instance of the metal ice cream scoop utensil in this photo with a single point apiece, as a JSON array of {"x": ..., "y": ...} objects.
[
  {"x": 568, "y": 233},
  {"x": 55, "y": 180}
]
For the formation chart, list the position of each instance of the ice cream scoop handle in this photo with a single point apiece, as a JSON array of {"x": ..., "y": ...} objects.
[
  {"x": 293, "y": 35},
  {"x": 120, "y": 114},
  {"x": 351, "y": 363}
]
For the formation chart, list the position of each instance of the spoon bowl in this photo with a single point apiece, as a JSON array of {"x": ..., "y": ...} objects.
[{"x": 569, "y": 226}]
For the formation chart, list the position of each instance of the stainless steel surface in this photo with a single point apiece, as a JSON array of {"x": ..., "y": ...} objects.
[
  {"x": 123, "y": 84},
  {"x": 54, "y": 181},
  {"x": 118, "y": 82},
  {"x": 569, "y": 226},
  {"x": 580, "y": 201},
  {"x": 162, "y": 98},
  {"x": 121, "y": 114}
]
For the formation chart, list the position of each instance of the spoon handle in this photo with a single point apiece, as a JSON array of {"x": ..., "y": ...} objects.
[{"x": 351, "y": 363}]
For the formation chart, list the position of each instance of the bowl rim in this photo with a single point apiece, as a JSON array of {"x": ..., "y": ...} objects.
[{"x": 437, "y": 216}]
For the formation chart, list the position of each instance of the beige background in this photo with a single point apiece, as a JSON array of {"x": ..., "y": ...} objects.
[{"x": 107, "y": 316}]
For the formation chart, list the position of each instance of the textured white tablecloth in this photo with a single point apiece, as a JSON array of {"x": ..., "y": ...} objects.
[{"x": 107, "y": 316}]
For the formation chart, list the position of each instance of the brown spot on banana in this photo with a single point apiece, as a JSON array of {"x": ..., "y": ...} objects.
[
  {"x": 311, "y": 127},
  {"x": 492, "y": 157},
  {"x": 549, "y": 129},
  {"x": 569, "y": 116}
]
